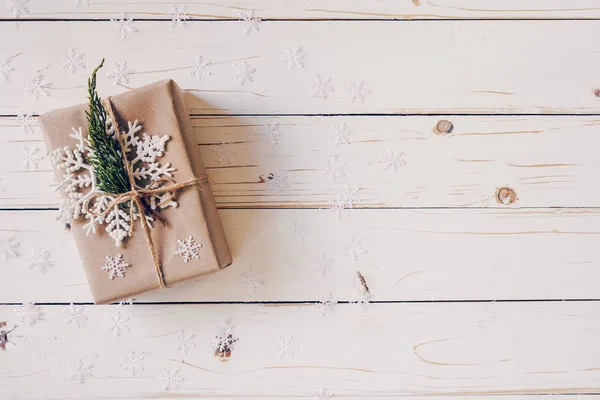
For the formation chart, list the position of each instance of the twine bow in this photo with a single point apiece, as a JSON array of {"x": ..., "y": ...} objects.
[{"x": 135, "y": 196}]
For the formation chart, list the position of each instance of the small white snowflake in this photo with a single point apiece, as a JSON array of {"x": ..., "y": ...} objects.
[
  {"x": 128, "y": 302},
  {"x": 31, "y": 158},
  {"x": 186, "y": 341},
  {"x": 364, "y": 300},
  {"x": 133, "y": 364},
  {"x": 327, "y": 304},
  {"x": 271, "y": 133},
  {"x": 251, "y": 279},
  {"x": 124, "y": 25},
  {"x": 341, "y": 134},
  {"x": 286, "y": 347},
  {"x": 294, "y": 57},
  {"x": 178, "y": 15},
  {"x": 225, "y": 152},
  {"x": 277, "y": 182},
  {"x": 321, "y": 87},
  {"x": 76, "y": 315},
  {"x": 243, "y": 73},
  {"x": 9, "y": 248},
  {"x": 26, "y": 121},
  {"x": 40, "y": 258},
  {"x": 37, "y": 86},
  {"x": 199, "y": 68},
  {"x": 119, "y": 323},
  {"x": 251, "y": 22},
  {"x": 354, "y": 249},
  {"x": 344, "y": 200},
  {"x": 334, "y": 167},
  {"x": 80, "y": 3},
  {"x": 188, "y": 249},
  {"x": 17, "y": 8},
  {"x": 323, "y": 264},
  {"x": 73, "y": 61},
  {"x": 115, "y": 266},
  {"x": 119, "y": 73},
  {"x": 80, "y": 371},
  {"x": 29, "y": 313},
  {"x": 223, "y": 336},
  {"x": 358, "y": 91},
  {"x": 5, "y": 70},
  {"x": 392, "y": 161},
  {"x": 321, "y": 394},
  {"x": 297, "y": 231},
  {"x": 170, "y": 379}
]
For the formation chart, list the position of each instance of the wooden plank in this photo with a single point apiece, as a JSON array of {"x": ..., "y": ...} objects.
[
  {"x": 408, "y": 255},
  {"x": 314, "y": 9},
  {"x": 410, "y": 67},
  {"x": 547, "y": 161},
  {"x": 387, "y": 351}
]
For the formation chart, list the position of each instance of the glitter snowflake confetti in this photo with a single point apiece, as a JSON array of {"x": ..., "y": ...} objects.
[
  {"x": 327, "y": 304},
  {"x": 321, "y": 394},
  {"x": 119, "y": 73},
  {"x": 170, "y": 379},
  {"x": 178, "y": 16},
  {"x": 199, "y": 68},
  {"x": 251, "y": 279},
  {"x": 186, "y": 341},
  {"x": 72, "y": 61},
  {"x": 37, "y": 86},
  {"x": 29, "y": 313},
  {"x": 76, "y": 315},
  {"x": 321, "y": 87},
  {"x": 17, "y": 8},
  {"x": 344, "y": 200},
  {"x": 297, "y": 231},
  {"x": 392, "y": 161},
  {"x": 188, "y": 249},
  {"x": 334, "y": 168},
  {"x": 286, "y": 347},
  {"x": 39, "y": 259},
  {"x": 358, "y": 91},
  {"x": 26, "y": 121},
  {"x": 340, "y": 134},
  {"x": 225, "y": 152},
  {"x": 31, "y": 158},
  {"x": 119, "y": 323},
  {"x": 124, "y": 25},
  {"x": 133, "y": 364},
  {"x": 243, "y": 73},
  {"x": 5, "y": 70},
  {"x": 323, "y": 264},
  {"x": 115, "y": 266},
  {"x": 80, "y": 371},
  {"x": 9, "y": 248},
  {"x": 251, "y": 22},
  {"x": 294, "y": 57},
  {"x": 354, "y": 249},
  {"x": 270, "y": 133}
]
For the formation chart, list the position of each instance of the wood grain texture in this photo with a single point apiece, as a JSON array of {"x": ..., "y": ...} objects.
[
  {"x": 506, "y": 67},
  {"x": 318, "y": 9},
  {"x": 463, "y": 169},
  {"x": 384, "y": 352},
  {"x": 409, "y": 255}
]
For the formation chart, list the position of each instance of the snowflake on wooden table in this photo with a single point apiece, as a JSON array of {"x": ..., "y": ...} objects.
[
  {"x": 251, "y": 279},
  {"x": 133, "y": 363},
  {"x": 5, "y": 70},
  {"x": 297, "y": 231},
  {"x": 72, "y": 61},
  {"x": 199, "y": 68},
  {"x": 80, "y": 370},
  {"x": 358, "y": 91},
  {"x": 79, "y": 3},
  {"x": 322, "y": 394},
  {"x": 170, "y": 379},
  {"x": 271, "y": 133},
  {"x": 31, "y": 158},
  {"x": 119, "y": 323},
  {"x": 278, "y": 182},
  {"x": 26, "y": 121},
  {"x": 29, "y": 313},
  {"x": 354, "y": 249},
  {"x": 224, "y": 338},
  {"x": 119, "y": 73},
  {"x": 323, "y": 264},
  {"x": 76, "y": 315},
  {"x": 178, "y": 15},
  {"x": 334, "y": 167},
  {"x": 251, "y": 22},
  {"x": 37, "y": 86},
  {"x": 186, "y": 341},
  {"x": 294, "y": 57},
  {"x": 392, "y": 161},
  {"x": 9, "y": 247},
  {"x": 115, "y": 266},
  {"x": 17, "y": 8},
  {"x": 124, "y": 25},
  {"x": 344, "y": 200},
  {"x": 225, "y": 152},
  {"x": 243, "y": 73},
  {"x": 327, "y": 304},
  {"x": 79, "y": 181},
  {"x": 321, "y": 87},
  {"x": 40, "y": 259},
  {"x": 286, "y": 347},
  {"x": 341, "y": 134},
  {"x": 188, "y": 249}
]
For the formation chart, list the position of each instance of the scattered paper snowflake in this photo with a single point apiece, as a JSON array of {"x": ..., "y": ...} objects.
[
  {"x": 344, "y": 200},
  {"x": 243, "y": 73},
  {"x": 358, "y": 91},
  {"x": 29, "y": 313},
  {"x": 5, "y": 70},
  {"x": 170, "y": 379},
  {"x": 188, "y": 249},
  {"x": 40, "y": 258},
  {"x": 124, "y": 25},
  {"x": 224, "y": 338},
  {"x": 31, "y": 158},
  {"x": 199, "y": 68},
  {"x": 26, "y": 121},
  {"x": 76, "y": 315},
  {"x": 327, "y": 304},
  {"x": 119, "y": 323},
  {"x": 334, "y": 167},
  {"x": 17, "y": 8},
  {"x": 251, "y": 22},
  {"x": 297, "y": 231},
  {"x": 9, "y": 247},
  {"x": 321, "y": 394},
  {"x": 115, "y": 266},
  {"x": 37, "y": 86},
  {"x": 79, "y": 3},
  {"x": 354, "y": 249},
  {"x": 341, "y": 134},
  {"x": 321, "y": 87},
  {"x": 323, "y": 264},
  {"x": 178, "y": 15},
  {"x": 80, "y": 371},
  {"x": 271, "y": 133},
  {"x": 277, "y": 182},
  {"x": 73, "y": 61},
  {"x": 119, "y": 74},
  {"x": 286, "y": 347},
  {"x": 133, "y": 364},
  {"x": 294, "y": 57},
  {"x": 392, "y": 161},
  {"x": 225, "y": 152},
  {"x": 251, "y": 279},
  {"x": 186, "y": 341}
]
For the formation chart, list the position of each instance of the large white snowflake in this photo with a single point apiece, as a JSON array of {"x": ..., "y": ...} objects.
[
  {"x": 251, "y": 279},
  {"x": 115, "y": 266},
  {"x": 80, "y": 370},
  {"x": 40, "y": 259},
  {"x": 199, "y": 68},
  {"x": 327, "y": 304},
  {"x": 294, "y": 57},
  {"x": 17, "y": 8},
  {"x": 26, "y": 121},
  {"x": 31, "y": 158},
  {"x": 186, "y": 341},
  {"x": 297, "y": 230},
  {"x": 340, "y": 134},
  {"x": 178, "y": 15},
  {"x": 37, "y": 86},
  {"x": 133, "y": 363},
  {"x": 323, "y": 264},
  {"x": 321, "y": 87},
  {"x": 344, "y": 200},
  {"x": 5, "y": 70},
  {"x": 119, "y": 73},
  {"x": 225, "y": 152},
  {"x": 188, "y": 249},
  {"x": 119, "y": 323},
  {"x": 9, "y": 247},
  {"x": 334, "y": 167},
  {"x": 79, "y": 181},
  {"x": 354, "y": 249},
  {"x": 124, "y": 25},
  {"x": 358, "y": 91},
  {"x": 29, "y": 313},
  {"x": 392, "y": 161},
  {"x": 270, "y": 133},
  {"x": 251, "y": 22},
  {"x": 286, "y": 347},
  {"x": 76, "y": 315},
  {"x": 170, "y": 379},
  {"x": 72, "y": 61},
  {"x": 243, "y": 73}
]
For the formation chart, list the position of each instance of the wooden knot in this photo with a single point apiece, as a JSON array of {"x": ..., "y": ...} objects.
[
  {"x": 443, "y": 127},
  {"x": 506, "y": 196}
]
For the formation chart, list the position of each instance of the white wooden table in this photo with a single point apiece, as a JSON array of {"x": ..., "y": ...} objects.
[{"x": 474, "y": 292}]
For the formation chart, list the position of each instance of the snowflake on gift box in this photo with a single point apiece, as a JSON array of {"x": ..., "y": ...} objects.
[
  {"x": 334, "y": 167},
  {"x": 72, "y": 61},
  {"x": 9, "y": 248},
  {"x": 340, "y": 134},
  {"x": 37, "y": 86},
  {"x": 344, "y": 200},
  {"x": 321, "y": 87},
  {"x": 327, "y": 304},
  {"x": 277, "y": 182},
  {"x": 392, "y": 161},
  {"x": 323, "y": 264},
  {"x": 17, "y": 8},
  {"x": 79, "y": 183},
  {"x": 199, "y": 68},
  {"x": 26, "y": 121},
  {"x": 358, "y": 91},
  {"x": 294, "y": 57},
  {"x": 124, "y": 25},
  {"x": 119, "y": 73},
  {"x": 29, "y": 313},
  {"x": 40, "y": 259},
  {"x": 31, "y": 158},
  {"x": 225, "y": 152},
  {"x": 133, "y": 364},
  {"x": 286, "y": 347},
  {"x": 243, "y": 73},
  {"x": 251, "y": 22},
  {"x": 5, "y": 70},
  {"x": 170, "y": 379},
  {"x": 76, "y": 315},
  {"x": 80, "y": 370},
  {"x": 186, "y": 341},
  {"x": 119, "y": 323},
  {"x": 251, "y": 279},
  {"x": 115, "y": 266},
  {"x": 322, "y": 394},
  {"x": 354, "y": 249},
  {"x": 178, "y": 15},
  {"x": 297, "y": 231},
  {"x": 271, "y": 133},
  {"x": 188, "y": 249}
]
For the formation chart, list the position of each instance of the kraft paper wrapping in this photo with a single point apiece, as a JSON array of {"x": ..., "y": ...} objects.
[{"x": 161, "y": 110}]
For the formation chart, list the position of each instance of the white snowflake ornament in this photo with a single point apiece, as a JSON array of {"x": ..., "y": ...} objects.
[
  {"x": 178, "y": 15},
  {"x": 170, "y": 379},
  {"x": 76, "y": 316},
  {"x": 17, "y": 8},
  {"x": 124, "y": 25},
  {"x": 327, "y": 304},
  {"x": 82, "y": 3},
  {"x": 322, "y": 394},
  {"x": 392, "y": 161},
  {"x": 358, "y": 91},
  {"x": 224, "y": 339},
  {"x": 294, "y": 57},
  {"x": 334, "y": 168},
  {"x": 72, "y": 61},
  {"x": 9, "y": 247},
  {"x": 341, "y": 134},
  {"x": 133, "y": 364},
  {"x": 251, "y": 279},
  {"x": 251, "y": 22},
  {"x": 188, "y": 249},
  {"x": 344, "y": 200},
  {"x": 40, "y": 259},
  {"x": 26, "y": 121},
  {"x": 31, "y": 158},
  {"x": 243, "y": 73},
  {"x": 119, "y": 73},
  {"x": 29, "y": 313},
  {"x": 225, "y": 152},
  {"x": 115, "y": 266},
  {"x": 286, "y": 347},
  {"x": 278, "y": 181},
  {"x": 297, "y": 231},
  {"x": 354, "y": 249},
  {"x": 186, "y": 341},
  {"x": 271, "y": 133},
  {"x": 323, "y": 264},
  {"x": 5, "y": 70},
  {"x": 80, "y": 371},
  {"x": 37, "y": 86},
  {"x": 119, "y": 323},
  {"x": 199, "y": 68},
  {"x": 321, "y": 87}
]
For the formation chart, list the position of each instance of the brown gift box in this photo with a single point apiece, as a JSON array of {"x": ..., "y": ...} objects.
[{"x": 160, "y": 109}]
